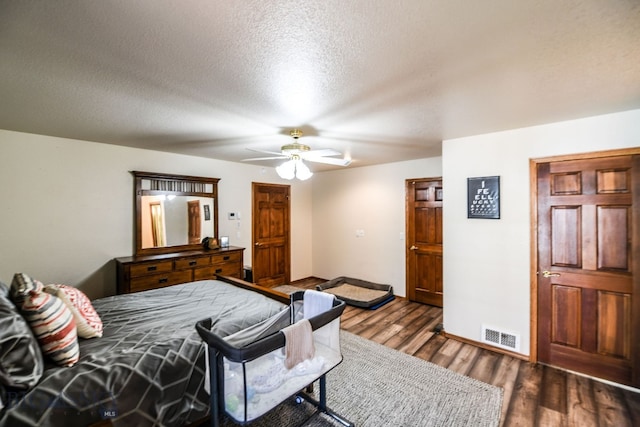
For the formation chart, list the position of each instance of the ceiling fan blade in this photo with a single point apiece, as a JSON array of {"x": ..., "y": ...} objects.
[
  {"x": 329, "y": 161},
  {"x": 277, "y": 153},
  {"x": 320, "y": 153},
  {"x": 265, "y": 158}
]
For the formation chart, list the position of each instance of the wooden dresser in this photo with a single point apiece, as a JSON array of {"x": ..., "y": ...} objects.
[{"x": 140, "y": 273}]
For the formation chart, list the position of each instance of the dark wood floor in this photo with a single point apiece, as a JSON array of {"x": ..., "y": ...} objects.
[{"x": 534, "y": 395}]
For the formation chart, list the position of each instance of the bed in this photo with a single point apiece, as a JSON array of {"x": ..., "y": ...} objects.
[{"x": 148, "y": 368}]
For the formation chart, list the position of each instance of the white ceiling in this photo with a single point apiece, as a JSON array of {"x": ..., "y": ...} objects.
[{"x": 379, "y": 80}]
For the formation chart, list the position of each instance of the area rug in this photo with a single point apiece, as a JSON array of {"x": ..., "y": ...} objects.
[{"x": 376, "y": 386}]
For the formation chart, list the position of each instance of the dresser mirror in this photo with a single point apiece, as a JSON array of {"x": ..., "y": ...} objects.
[{"x": 174, "y": 212}]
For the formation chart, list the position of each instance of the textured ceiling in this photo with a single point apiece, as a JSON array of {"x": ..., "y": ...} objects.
[{"x": 380, "y": 81}]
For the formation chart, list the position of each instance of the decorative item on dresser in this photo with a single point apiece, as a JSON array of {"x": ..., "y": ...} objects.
[
  {"x": 140, "y": 273},
  {"x": 175, "y": 215}
]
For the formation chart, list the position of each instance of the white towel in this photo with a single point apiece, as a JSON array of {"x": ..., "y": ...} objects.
[
  {"x": 316, "y": 302},
  {"x": 298, "y": 343}
]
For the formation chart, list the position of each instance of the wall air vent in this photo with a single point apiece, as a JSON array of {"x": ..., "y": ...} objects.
[{"x": 500, "y": 338}]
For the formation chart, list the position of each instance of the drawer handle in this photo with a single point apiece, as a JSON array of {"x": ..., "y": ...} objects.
[
  {"x": 193, "y": 262},
  {"x": 218, "y": 270},
  {"x": 163, "y": 280},
  {"x": 226, "y": 258},
  {"x": 152, "y": 268}
]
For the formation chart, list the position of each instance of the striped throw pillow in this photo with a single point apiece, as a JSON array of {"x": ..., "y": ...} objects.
[
  {"x": 53, "y": 325},
  {"x": 87, "y": 319},
  {"x": 22, "y": 285}
]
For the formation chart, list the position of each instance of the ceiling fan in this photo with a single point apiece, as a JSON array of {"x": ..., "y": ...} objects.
[{"x": 296, "y": 153}]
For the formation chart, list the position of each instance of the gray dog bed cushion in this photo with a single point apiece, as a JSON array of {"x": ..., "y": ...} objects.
[{"x": 359, "y": 293}]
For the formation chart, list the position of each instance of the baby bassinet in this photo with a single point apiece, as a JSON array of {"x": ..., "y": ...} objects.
[{"x": 247, "y": 373}]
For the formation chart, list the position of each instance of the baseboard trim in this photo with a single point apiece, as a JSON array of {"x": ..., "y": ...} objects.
[{"x": 486, "y": 346}]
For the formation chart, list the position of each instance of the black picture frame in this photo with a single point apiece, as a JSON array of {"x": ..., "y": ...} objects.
[
  {"x": 207, "y": 213},
  {"x": 483, "y": 197}
]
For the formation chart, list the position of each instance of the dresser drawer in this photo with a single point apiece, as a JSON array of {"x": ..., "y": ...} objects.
[
  {"x": 230, "y": 257},
  {"x": 151, "y": 268},
  {"x": 160, "y": 280},
  {"x": 192, "y": 262},
  {"x": 204, "y": 273},
  {"x": 141, "y": 273},
  {"x": 232, "y": 270}
]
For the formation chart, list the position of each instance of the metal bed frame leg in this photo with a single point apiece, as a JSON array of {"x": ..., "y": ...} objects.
[
  {"x": 322, "y": 403},
  {"x": 323, "y": 394}
]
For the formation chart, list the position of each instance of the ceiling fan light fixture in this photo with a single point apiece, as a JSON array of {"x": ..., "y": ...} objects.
[
  {"x": 294, "y": 168},
  {"x": 287, "y": 170},
  {"x": 296, "y": 152},
  {"x": 302, "y": 171}
]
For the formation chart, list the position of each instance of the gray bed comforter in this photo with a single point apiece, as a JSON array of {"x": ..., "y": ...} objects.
[{"x": 148, "y": 369}]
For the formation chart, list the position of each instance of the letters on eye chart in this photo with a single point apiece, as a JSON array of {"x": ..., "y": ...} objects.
[{"x": 483, "y": 197}]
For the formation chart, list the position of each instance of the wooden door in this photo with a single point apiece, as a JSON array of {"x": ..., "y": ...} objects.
[
  {"x": 193, "y": 208},
  {"x": 271, "y": 256},
  {"x": 424, "y": 240},
  {"x": 157, "y": 224},
  {"x": 588, "y": 258}
]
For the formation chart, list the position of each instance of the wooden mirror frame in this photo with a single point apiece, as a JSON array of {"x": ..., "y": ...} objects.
[{"x": 171, "y": 184}]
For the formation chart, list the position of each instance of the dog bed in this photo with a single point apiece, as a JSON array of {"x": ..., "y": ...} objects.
[{"x": 358, "y": 293}]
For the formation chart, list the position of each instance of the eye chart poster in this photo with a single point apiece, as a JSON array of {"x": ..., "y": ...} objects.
[{"x": 483, "y": 197}]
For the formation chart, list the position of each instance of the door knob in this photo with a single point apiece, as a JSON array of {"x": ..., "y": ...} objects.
[
  {"x": 258, "y": 244},
  {"x": 547, "y": 274},
  {"x": 413, "y": 248}
]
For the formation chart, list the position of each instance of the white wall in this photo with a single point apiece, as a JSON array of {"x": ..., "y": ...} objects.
[
  {"x": 371, "y": 199},
  {"x": 486, "y": 262},
  {"x": 66, "y": 211},
  {"x": 66, "y": 207}
]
